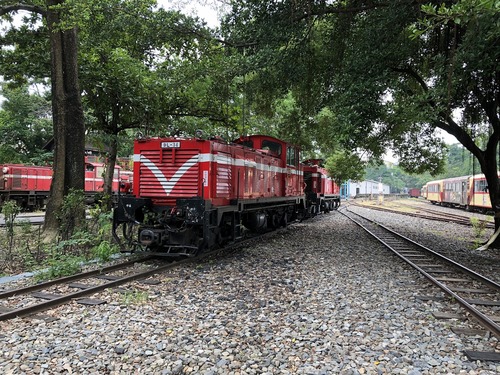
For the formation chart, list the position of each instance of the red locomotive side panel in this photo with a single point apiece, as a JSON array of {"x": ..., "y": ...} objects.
[
  {"x": 286, "y": 173},
  {"x": 29, "y": 186},
  {"x": 18, "y": 177},
  {"x": 94, "y": 181}
]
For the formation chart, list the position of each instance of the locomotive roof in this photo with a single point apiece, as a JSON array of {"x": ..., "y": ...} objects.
[{"x": 260, "y": 137}]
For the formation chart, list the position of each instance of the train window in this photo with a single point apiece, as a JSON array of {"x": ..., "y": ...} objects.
[
  {"x": 480, "y": 185},
  {"x": 273, "y": 147},
  {"x": 291, "y": 158},
  {"x": 247, "y": 144}
]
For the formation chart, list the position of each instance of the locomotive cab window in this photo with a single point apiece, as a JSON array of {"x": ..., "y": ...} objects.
[
  {"x": 273, "y": 147},
  {"x": 248, "y": 144},
  {"x": 291, "y": 156}
]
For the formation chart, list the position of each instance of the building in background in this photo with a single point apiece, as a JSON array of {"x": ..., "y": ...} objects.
[{"x": 351, "y": 189}]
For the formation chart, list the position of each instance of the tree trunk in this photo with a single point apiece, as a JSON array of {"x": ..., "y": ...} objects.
[
  {"x": 110, "y": 172},
  {"x": 68, "y": 121},
  {"x": 490, "y": 171}
]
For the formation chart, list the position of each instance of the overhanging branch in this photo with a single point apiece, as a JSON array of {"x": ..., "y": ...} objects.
[{"x": 27, "y": 7}]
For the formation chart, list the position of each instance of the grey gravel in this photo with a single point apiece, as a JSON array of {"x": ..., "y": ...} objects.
[{"x": 320, "y": 298}]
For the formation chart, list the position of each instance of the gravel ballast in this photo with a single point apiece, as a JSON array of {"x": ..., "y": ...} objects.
[{"x": 321, "y": 297}]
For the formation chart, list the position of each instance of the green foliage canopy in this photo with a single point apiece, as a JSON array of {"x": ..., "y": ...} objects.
[
  {"x": 386, "y": 84},
  {"x": 26, "y": 126}
]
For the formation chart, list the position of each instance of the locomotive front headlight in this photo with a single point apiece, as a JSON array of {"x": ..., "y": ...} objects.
[
  {"x": 5, "y": 170},
  {"x": 147, "y": 237}
]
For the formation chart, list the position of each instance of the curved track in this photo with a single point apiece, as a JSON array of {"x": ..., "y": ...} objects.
[{"x": 478, "y": 295}]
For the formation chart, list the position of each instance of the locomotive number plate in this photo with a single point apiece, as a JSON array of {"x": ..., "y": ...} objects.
[{"x": 170, "y": 144}]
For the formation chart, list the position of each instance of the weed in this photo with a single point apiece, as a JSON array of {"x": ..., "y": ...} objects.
[
  {"x": 134, "y": 297},
  {"x": 104, "y": 250},
  {"x": 478, "y": 228},
  {"x": 58, "y": 267},
  {"x": 22, "y": 247},
  {"x": 10, "y": 210}
]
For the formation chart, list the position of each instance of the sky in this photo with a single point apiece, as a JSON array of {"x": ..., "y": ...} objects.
[{"x": 193, "y": 7}]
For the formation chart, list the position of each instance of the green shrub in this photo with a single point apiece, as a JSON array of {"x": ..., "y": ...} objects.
[
  {"x": 59, "y": 267},
  {"x": 104, "y": 251}
]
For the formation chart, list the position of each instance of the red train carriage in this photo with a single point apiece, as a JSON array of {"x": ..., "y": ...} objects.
[
  {"x": 29, "y": 186},
  {"x": 414, "y": 193},
  {"x": 322, "y": 193},
  {"x": 193, "y": 194}
]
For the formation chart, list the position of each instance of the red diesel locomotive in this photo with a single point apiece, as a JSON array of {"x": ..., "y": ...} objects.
[
  {"x": 322, "y": 193},
  {"x": 29, "y": 186},
  {"x": 195, "y": 194}
]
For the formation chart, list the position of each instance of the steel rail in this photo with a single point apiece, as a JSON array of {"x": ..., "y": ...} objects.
[
  {"x": 462, "y": 220},
  {"x": 28, "y": 310},
  {"x": 32, "y": 309},
  {"x": 78, "y": 276},
  {"x": 484, "y": 320}
]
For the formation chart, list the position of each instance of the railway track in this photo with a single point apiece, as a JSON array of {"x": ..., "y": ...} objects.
[
  {"x": 427, "y": 213},
  {"x": 476, "y": 294},
  {"x": 31, "y": 300},
  {"x": 34, "y": 299}
]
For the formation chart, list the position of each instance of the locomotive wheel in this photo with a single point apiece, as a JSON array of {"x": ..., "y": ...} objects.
[
  {"x": 275, "y": 221},
  {"x": 284, "y": 220}
]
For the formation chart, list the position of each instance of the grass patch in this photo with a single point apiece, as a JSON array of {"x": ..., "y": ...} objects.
[
  {"x": 135, "y": 297},
  {"x": 22, "y": 248}
]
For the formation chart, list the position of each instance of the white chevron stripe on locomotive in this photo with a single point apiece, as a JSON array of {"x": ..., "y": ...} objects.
[{"x": 168, "y": 185}]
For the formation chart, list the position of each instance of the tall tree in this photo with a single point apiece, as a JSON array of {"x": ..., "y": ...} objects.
[
  {"x": 67, "y": 111},
  {"x": 391, "y": 72},
  {"x": 126, "y": 44}
]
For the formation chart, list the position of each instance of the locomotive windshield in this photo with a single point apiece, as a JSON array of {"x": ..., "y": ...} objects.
[
  {"x": 247, "y": 144},
  {"x": 273, "y": 147}
]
